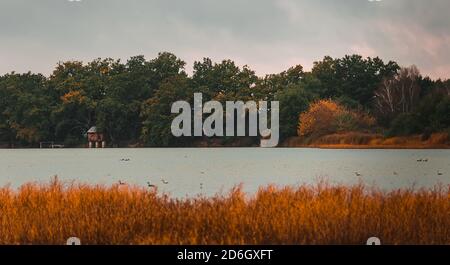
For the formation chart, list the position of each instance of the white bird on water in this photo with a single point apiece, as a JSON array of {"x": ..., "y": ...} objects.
[{"x": 164, "y": 181}]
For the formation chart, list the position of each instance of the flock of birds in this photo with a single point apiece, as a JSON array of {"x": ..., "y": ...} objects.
[
  {"x": 165, "y": 182},
  {"x": 149, "y": 184},
  {"x": 153, "y": 186},
  {"x": 439, "y": 173}
]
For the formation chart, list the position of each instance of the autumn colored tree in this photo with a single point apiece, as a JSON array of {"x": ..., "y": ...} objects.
[
  {"x": 130, "y": 101},
  {"x": 319, "y": 118},
  {"x": 327, "y": 116}
]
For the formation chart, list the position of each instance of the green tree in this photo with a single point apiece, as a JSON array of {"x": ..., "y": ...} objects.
[
  {"x": 352, "y": 76},
  {"x": 156, "y": 112},
  {"x": 74, "y": 111},
  {"x": 223, "y": 78},
  {"x": 25, "y": 108},
  {"x": 293, "y": 100}
]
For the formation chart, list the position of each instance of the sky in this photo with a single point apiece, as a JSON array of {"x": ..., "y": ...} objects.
[{"x": 268, "y": 36}]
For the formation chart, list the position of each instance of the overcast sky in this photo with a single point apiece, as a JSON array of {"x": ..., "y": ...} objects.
[{"x": 269, "y": 36}]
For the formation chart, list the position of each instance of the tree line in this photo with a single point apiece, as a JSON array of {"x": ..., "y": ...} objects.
[{"x": 131, "y": 101}]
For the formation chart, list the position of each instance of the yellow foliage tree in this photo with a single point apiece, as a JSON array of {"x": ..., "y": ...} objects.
[
  {"x": 327, "y": 116},
  {"x": 319, "y": 118},
  {"x": 74, "y": 96}
]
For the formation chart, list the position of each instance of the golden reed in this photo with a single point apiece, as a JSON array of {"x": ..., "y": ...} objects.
[{"x": 321, "y": 214}]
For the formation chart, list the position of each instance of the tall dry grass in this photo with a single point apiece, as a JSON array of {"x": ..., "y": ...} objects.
[{"x": 49, "y": 214}]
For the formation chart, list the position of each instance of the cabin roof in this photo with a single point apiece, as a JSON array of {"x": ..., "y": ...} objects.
[{"x": 93, "y": 129}]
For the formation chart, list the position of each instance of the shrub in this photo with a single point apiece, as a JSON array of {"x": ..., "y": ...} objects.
[
  {"x": 349, "y": 138},
  {"x": 327, "y": 117},
  {"x": 405, "y": 124},
  {"x": 439, "y": 138},
  {"x": 319, "y": 118}
]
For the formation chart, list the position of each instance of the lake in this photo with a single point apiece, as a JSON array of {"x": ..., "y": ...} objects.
[{"x": 207, "y": 171}]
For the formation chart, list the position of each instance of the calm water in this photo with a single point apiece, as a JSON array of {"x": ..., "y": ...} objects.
[{"x": 221, "y": 169}]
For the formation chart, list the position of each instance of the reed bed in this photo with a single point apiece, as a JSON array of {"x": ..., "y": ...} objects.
[{"x": 322, "y": 214}]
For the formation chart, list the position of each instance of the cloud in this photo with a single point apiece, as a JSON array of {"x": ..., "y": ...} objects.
[
  {"x": 267, "y": 35},
  {"x": 363, "y": 49}
]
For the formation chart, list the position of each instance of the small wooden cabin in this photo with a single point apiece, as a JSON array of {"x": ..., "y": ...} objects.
[{"x": 96, "y": 138}]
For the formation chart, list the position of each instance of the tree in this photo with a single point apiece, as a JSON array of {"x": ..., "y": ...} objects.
[
  {"x": 77, "y": 94},
  {"x": 319, "y": 119},
  {"x": 325, "y": 71},
  {"x": 398, "y": 94},
  {"x": 327, "y": 116},
  {"x": 113, "y": 119},
  {"x": 433, "y": 111},
  {"x": 405, "y": 124},
  {"x": 293, "y": 100},
  {"x": 165, "y": 66},
  {"x": 223, "y": 78},
  {"x": 352, "y": 76},
  {"x": 130, "y": 102},
  {"x": 156, "y": 112},
  {"x": 25, "y": 108}
]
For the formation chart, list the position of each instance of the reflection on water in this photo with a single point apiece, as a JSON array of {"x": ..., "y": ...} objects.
[{"x": 189, "y": 171}]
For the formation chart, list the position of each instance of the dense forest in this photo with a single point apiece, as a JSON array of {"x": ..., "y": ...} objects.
[{"x": 130, "y": 102}]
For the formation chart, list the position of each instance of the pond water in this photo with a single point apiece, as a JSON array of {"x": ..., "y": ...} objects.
[{"x": 207, "y": 171}]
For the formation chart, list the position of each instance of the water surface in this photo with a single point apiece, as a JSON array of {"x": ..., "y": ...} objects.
[{"x": 192, "y": 171}]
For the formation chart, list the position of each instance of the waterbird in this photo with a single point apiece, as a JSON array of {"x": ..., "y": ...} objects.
[
  {"x": 122, "y": 183},
  {"x": 419, "y": 160},
  {"x": 164, "y": 181},
  {"x": 150, "y": 185},
  {"x": 395, "y": 173},
  {"x": 425, "y": 160},
  {"x": 358, "y": 174},
  {"x": 440, "y": 173}
]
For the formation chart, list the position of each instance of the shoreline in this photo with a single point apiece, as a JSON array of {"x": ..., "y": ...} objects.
[
  {"x": 350, "y": 140},
  {"x": 310, "y": 146},
  {"x": 374, "y": 147}
]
